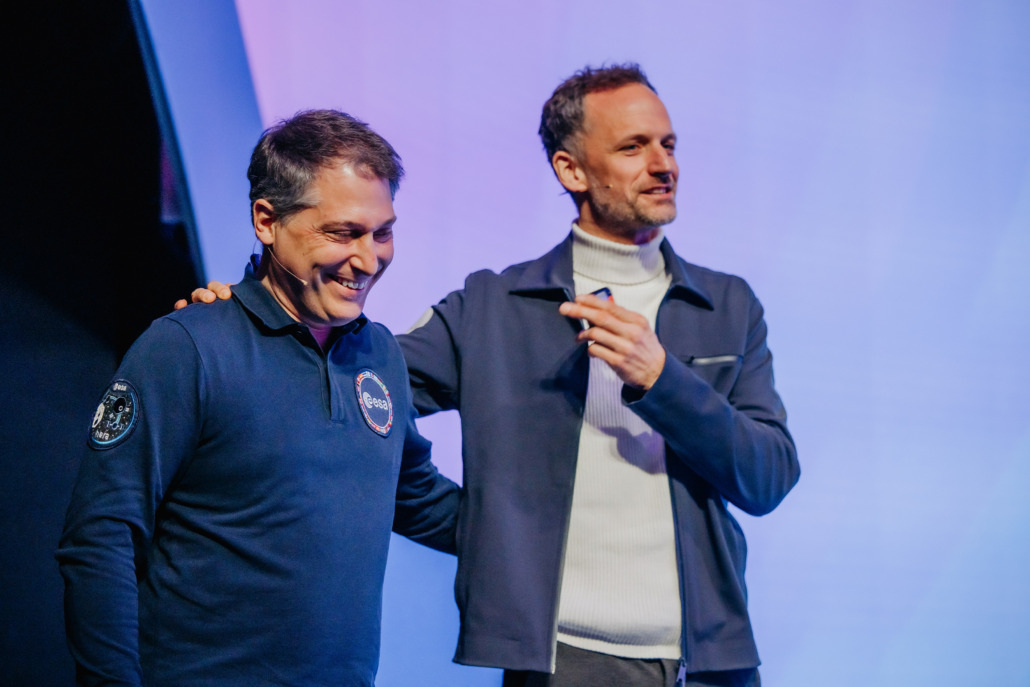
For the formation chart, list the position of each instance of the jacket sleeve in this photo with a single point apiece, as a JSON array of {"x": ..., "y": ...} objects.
[
  {"x": 110, "y": 521},
  {"x": 433, "y": 358},
  {"x": 739, "y": 443}
]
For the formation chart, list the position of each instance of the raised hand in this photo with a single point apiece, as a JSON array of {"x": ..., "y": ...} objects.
[{"x": 622, "y": 338}]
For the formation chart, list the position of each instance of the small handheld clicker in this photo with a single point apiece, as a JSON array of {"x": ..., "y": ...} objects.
[{"x": 603, "y": 293}]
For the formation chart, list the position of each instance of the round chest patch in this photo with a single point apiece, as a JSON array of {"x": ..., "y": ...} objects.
[
  {"x": 374, "y": 400},
  {"x": 116, "y": 415}
]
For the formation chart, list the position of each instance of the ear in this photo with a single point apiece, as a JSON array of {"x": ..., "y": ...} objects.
[
  {"x": 265, "y": 220},
  {"x": 569, "y": 172}
]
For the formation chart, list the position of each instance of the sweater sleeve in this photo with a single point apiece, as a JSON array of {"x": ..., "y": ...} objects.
[
  {"x": 427, "y": 502},
  {"x": 739, "y": 442},
  {"x": 426, "y": 509},
  {"x": 153, "y": 407}
]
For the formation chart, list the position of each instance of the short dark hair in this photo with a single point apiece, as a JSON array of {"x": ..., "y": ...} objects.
[
  {"x": 562, "y": 116},
  {"x": 291, "y": 153}
]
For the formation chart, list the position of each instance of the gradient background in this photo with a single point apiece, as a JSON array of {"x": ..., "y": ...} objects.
[{"x": 865, "y": 165}]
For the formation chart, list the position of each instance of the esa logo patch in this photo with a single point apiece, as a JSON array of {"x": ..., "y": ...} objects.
[
  {"x": 116, "y": 415},
  {"x": 374, "y": 400}
]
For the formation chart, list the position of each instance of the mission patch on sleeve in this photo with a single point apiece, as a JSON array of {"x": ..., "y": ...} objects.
[{"x": 116, "y": 415}]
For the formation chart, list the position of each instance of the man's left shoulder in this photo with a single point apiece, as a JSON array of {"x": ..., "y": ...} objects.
[
  {"x": 377, "y": 332},
  {"x": 381, "y": 339},
  {"x": 719, "y": 286}
]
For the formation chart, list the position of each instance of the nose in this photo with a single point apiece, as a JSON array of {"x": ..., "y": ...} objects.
[
  {"x": 364, "y": 258},
  {"x": 661, "y": 162}
]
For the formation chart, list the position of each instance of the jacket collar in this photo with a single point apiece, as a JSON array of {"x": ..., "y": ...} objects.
[{"x": 550, "y": 276}]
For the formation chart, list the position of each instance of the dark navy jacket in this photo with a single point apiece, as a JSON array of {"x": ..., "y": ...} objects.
[
  {"x": 500, "y": 353},
  {"x": 238, "y": 535}
]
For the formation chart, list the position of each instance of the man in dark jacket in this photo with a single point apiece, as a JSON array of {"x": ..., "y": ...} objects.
[{"x": 603, "y": 437}]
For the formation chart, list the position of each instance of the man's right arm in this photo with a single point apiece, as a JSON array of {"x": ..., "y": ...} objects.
[
  {"x": 431, "y": 351},
  {"x": 139, "y": 436}
]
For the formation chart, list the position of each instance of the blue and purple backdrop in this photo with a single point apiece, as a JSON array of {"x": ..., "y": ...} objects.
[{"x": 864, "y": 165}]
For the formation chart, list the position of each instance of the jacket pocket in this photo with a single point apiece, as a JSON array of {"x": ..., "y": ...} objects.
[{"x": 720, "y": 371}]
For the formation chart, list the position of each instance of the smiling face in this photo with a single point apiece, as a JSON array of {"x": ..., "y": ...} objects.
[
  {"x": 326, "y": 257},
  {"x": 622, "y": 169}
]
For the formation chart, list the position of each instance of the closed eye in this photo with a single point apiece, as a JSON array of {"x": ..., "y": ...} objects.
[{"x": 342, "y": 236}]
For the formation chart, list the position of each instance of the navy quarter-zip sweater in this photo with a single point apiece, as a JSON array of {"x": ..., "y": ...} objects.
[{"x": 238, "y": 533}]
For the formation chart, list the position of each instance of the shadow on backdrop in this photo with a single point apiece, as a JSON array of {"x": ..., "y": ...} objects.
[{"x": 94, "y": 250}]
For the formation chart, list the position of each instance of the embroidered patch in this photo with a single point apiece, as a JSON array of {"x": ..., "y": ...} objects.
[
  {"x": 116, "y": 415},
  {"x": 374, "y": 400}
]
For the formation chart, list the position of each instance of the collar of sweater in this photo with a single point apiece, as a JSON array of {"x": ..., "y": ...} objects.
[{"x": 616, "y": 263}]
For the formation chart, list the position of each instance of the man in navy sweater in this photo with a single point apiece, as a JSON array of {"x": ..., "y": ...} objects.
[{"x": 248, "y": 461}]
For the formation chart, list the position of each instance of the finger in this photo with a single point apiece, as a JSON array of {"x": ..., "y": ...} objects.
[
  {"x": 616, "y": 319},
  {"x": 629, "y": 370},
  {"x": 202, "y": 296},
  {"x": 601, "y": 336},
  {"x": 640, "y": 371},
  {"x": 593, "y": 300},
  {"x": 587, "y": 300},
  {"x": 180, "y": 304},
  {"x": 604, "y": 305},
  {"x": 589, "y": 309},
  {"x": 220, "y": 289},
  {"x": 587, "y": 317}
]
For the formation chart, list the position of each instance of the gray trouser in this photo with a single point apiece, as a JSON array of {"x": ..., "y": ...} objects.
[{"x": 581, "y": 668}]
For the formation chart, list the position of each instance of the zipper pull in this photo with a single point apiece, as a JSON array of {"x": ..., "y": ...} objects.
[{"x": 681, "y": 676}]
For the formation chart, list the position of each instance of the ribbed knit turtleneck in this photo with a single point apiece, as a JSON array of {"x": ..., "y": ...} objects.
[
  {"x": 620, "y": 584},
  {"x": 605, "y": 261}
]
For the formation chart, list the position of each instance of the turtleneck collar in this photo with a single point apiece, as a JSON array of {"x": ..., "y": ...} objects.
[{"x": 616, "y": 263}]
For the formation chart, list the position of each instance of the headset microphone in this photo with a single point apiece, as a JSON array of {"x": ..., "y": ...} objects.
[{"x": 302, "y": 281}]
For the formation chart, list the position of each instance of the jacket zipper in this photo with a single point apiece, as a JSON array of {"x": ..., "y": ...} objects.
[{"x": 681, "y": 673}]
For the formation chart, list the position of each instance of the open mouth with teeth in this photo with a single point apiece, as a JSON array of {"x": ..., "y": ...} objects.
[{"x": 357, "y": 286}]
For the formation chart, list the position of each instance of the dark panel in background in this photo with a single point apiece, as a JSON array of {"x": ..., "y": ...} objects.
[{"x": 86, "y": 263}]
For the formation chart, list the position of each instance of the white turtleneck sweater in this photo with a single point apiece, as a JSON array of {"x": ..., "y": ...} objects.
[{"x": 620, "y": 584}]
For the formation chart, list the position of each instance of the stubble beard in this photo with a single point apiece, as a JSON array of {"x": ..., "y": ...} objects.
[{"x": 630, "y": 219}]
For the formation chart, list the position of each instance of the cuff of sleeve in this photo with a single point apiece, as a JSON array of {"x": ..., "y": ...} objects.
[{"x": 667, "y": 387}]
